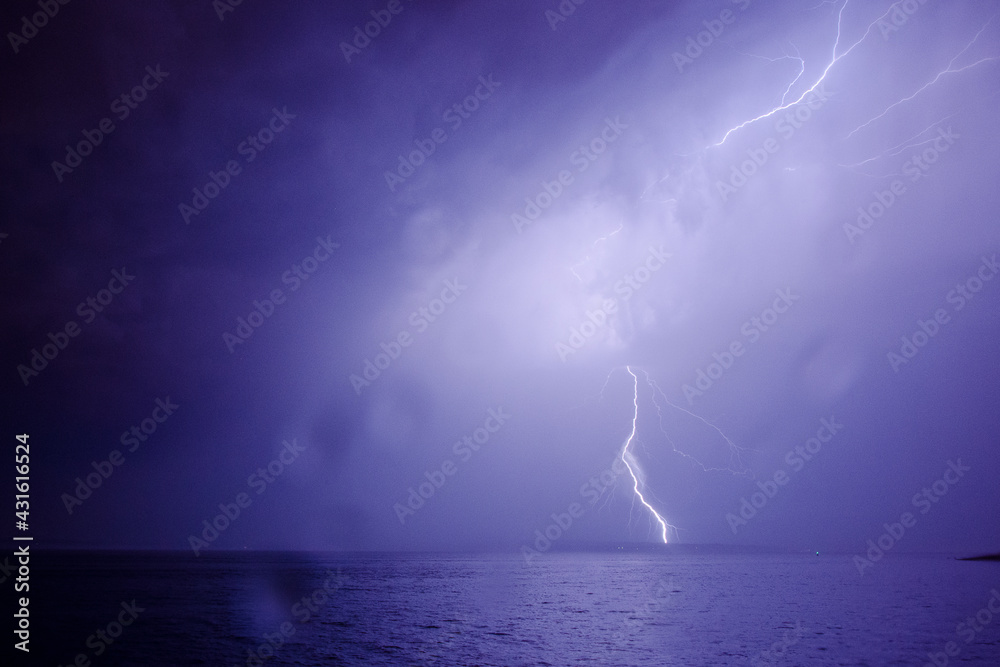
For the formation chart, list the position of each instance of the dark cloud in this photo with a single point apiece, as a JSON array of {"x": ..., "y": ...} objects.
[{"x": 509, "y": 268}]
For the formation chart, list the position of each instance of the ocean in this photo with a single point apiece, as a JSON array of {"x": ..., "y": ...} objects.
[{"x": 279, "y": 608}]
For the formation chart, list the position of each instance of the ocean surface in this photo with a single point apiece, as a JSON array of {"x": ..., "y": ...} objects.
[{"x": 226, "y": 609}]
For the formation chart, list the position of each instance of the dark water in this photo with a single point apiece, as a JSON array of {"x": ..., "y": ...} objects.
[{"x": 563, "y": 609}]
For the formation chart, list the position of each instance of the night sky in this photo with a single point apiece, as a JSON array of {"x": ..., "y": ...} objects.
[{"x": 408, "y": 291}]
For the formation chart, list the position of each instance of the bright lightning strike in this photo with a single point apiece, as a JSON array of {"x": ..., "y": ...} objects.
[
  {"x": 628, "y": 459},
  {"x": 835, "y": 58}
]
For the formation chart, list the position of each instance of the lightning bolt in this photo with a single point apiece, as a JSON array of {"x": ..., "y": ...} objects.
[
  {"x": 834, "y": 59},
  {"x": 628, "y": 459},
  {"x": 839, "y": 52},
  {"x": 587, "y": 258},
  {"x": 736, "y": 465},
  {"x": 785, "y": 105},
  {"x": 797, "y": 57},
  {"x": 906, "y": 145},
  {"x": 949, "y": 69}
]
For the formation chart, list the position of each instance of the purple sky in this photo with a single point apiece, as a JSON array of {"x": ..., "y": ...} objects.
[{"x": 658, "y": 241}]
